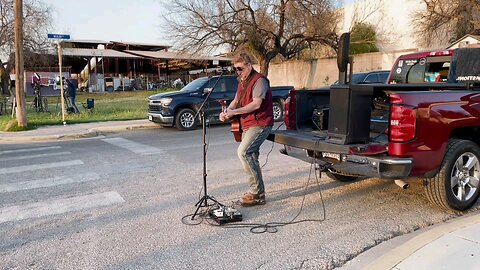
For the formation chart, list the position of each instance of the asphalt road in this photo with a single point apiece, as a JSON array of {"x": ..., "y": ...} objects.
[{"x": 117, "y": 201}]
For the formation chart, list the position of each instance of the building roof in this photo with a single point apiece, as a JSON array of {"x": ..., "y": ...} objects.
[
  {"x": 96, "y": 52},
  {"x": 122, "y": 45},
  {"x": 457, "y": 42},
  {"x": 176, "y": 55}
]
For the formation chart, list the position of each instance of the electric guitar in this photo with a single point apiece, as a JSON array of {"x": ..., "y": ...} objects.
[{"x": 236, "y": 127}]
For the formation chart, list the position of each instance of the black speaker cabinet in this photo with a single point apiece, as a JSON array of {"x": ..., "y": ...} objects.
[{"x": 349, "y": 116}]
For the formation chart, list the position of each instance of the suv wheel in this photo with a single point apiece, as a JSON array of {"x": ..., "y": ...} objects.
[
  {"x": 456, "y": 185},
  {"x": 277, "y": 111},
  {"x": 185, "y": 119}
]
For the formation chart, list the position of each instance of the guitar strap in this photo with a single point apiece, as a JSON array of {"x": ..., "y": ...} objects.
[{"x": 245, "y": 88}]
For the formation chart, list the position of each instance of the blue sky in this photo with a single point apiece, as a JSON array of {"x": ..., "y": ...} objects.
[{"x": 119, "y": 20}]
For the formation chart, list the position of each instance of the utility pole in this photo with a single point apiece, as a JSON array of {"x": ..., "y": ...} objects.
[{"x": 19, "y": 78}]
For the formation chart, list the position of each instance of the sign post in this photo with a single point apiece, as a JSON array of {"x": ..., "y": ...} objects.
[{"x": 60, "y": 37}]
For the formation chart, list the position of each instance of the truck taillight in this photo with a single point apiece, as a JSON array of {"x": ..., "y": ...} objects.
[
  {"x": 290, "y": 117},
  {"x": 403, "y": 123}
]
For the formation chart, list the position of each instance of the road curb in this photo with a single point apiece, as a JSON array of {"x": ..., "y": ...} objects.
[
  {"x": 122, "y": 128},
  {"x": 397, "y": 255},
  {"x": 87, "y": 134},
  {"x": 80, "y": 133}
]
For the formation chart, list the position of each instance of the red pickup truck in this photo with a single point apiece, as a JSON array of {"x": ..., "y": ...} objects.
[{"x": 424, "y": 124}]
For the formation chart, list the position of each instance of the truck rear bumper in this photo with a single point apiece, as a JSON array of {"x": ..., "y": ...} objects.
[
  {"x": 377, "y": 167},
  {"x": 359, "y": 159}
]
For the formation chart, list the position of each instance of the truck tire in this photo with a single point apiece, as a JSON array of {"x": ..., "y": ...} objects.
[
  {"x": 341, "y": 178},
  {"x": 184, "y": 120},
  {"x": 277, "y": 111},
  {"x": 456, "y": 186}
]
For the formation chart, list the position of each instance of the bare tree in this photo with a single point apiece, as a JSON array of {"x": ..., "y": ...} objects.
[
  {"x": 266, "y": 28},
  {"x": 36, "y": 22},
  {"x": 447, "y": 20}
]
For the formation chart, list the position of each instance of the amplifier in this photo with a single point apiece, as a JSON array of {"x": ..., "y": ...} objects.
[{"x": 350, "y": 112}]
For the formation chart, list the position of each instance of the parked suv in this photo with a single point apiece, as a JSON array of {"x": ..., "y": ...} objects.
[
  {"x": 378, "y": 76},
  {"x": 180, "y": 107}
]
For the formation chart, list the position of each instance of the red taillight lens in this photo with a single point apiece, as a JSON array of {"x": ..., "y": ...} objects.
[
  {"x": 403, "y": 123},
  {"x": 290, "y": 117}
]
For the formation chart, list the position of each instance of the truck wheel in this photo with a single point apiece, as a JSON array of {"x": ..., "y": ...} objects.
[
  {"x": 185, "y": 119},
  {"x": 277, "y": 111},
  {"x": 456, "y": 185},
  {"x": 341, "y": 178}
]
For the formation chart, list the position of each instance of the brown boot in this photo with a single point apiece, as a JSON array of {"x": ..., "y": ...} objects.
[{"x": 250, "y": 199}]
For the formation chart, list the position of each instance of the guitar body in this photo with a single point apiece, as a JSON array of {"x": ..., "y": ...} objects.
[{"x": 236, "y": 127}]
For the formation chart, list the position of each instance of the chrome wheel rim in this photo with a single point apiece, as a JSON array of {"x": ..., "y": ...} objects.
[
  {"x": 277, "y": 112},
  {"x": 465, "y": 176},
  {"x": 187, "y": 120}
]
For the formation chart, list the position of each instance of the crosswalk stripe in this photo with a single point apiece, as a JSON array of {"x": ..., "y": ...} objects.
[
  {"x": 34, "y": 167},
  {"x": 135, "y": 147},
  {"x": 59, "y": 206},
  {"x": 49, "y": 182},
  {"x": 29, "y": 149},
  {"x": 35, "y": 156}
]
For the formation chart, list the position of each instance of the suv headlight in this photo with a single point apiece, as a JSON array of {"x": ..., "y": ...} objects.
[{"x": 165, "y": 101}]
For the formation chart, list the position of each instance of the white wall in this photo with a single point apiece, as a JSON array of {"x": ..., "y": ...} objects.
[
  {"x": 393, "y": 20},
  {"x": 321, "y": 72}
]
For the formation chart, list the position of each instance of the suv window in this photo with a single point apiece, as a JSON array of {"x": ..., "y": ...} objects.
[
  {"x": 232, "y": 84},
  {"x": 194, "y": 85},
  {"x": 220, "y": 86},
  {"x": 382, "y": 77},
  {"x": 371, "y": 78}
]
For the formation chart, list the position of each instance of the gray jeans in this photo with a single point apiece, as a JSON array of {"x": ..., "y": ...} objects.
[{"x": 248, "y": 152}]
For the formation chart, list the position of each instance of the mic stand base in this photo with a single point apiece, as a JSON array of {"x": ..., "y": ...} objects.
[{"x": 203, "y": 202}]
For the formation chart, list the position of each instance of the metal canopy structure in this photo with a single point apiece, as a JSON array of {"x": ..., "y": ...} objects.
[
  {"x": 107, "y": 53},
  {"x": 162, "y": 55},
  {"x": 99, "y": 62}
]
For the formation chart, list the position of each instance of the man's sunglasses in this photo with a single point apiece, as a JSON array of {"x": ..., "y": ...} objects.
[{"x": 238, "y": 69}]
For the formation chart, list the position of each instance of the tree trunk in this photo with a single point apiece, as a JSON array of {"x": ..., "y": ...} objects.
[
  {"x": 19, "y": 78},
  {"x": 264, "y": 65}
]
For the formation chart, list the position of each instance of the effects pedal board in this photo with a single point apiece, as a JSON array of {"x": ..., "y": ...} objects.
[{"x": 225, "y": 214}]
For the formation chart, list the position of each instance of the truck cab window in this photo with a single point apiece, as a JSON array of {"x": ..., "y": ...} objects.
[{"x": 416, "y": 73}]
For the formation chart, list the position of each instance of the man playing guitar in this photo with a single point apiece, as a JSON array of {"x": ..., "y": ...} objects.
[{"x": 253, "y": 103}]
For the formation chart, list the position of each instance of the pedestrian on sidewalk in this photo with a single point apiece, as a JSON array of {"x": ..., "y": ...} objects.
[{"x": 71, "y": 91}]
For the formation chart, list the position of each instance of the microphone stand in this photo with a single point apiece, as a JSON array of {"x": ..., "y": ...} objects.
[{"x": 203, "y": 202}]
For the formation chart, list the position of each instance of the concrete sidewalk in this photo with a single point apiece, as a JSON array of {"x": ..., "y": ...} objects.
[
  {"x": 454, "y": 244},
  {"x": 73, "y": 131}
]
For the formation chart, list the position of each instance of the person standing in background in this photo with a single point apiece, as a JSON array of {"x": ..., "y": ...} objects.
[{"x": 71, "y": 91}]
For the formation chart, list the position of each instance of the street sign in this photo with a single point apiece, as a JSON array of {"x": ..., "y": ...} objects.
[{"x": 58, "y": 36}]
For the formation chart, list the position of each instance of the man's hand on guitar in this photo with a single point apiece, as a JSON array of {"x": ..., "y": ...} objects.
[
  {"x": 222, "y": 116},
  {"x": 230, "y": 113}
]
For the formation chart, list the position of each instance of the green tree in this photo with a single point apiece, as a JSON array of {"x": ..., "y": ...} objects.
[
  {"x": 265, "y": 28},
  {"x": 363, "y": 39}
]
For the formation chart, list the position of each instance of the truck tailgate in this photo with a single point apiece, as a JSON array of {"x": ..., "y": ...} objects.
[
  {"x": 307, "y": 140},
  {"x": 316, "y": 141}
]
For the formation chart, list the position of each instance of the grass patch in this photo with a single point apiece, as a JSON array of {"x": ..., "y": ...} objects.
[{"x": 129, "y": 105}]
